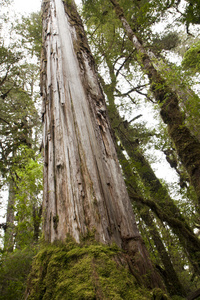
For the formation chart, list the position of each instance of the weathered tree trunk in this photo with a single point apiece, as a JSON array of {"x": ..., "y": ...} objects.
[
  {"x": 84, "y": 190},
  {"x": 187, "y": 146}
]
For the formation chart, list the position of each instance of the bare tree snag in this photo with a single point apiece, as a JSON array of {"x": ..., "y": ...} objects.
[{"x": 84, "y": 190}]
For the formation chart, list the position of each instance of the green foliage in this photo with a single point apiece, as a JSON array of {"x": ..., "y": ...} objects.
[
  {"x": 192, "y": 12},
  {"x": 18, "y": 115},
  {"x": 28, "y": 196},
  {"x": 83, "y": 271},
  {"x": 14, "y": 269},
  {"x": 166, "y": 41},
  {"x": 8, "y": 56},
  {"x": 103, "y": 30},
  {"x": 19, "y": 130},
  {"x": 191, "y": 58},
  {"x": 30, "y": 30}
]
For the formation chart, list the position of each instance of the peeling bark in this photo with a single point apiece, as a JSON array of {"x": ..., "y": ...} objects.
[{"x": 84, "y": 190}]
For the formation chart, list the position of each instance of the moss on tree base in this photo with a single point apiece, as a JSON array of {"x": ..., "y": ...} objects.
[{"x": 84, "y": 271}]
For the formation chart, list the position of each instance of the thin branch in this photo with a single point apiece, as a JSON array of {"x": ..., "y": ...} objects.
[
  {"x": 127, "y": 58},
  {"x": 5, "y": 77},
  {"x": 91, "y": 34},
  {"x": 134, "y": 119},
  {"x": 4, "y": 121},
  {"x": 135, "y": 89}
]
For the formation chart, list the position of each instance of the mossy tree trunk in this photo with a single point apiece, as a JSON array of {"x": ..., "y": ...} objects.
[
  {"x": 84, "y": 190},
  {"x": 125, "y": 134},
  {"x": 187, "y": 146},
  {"x": 168, "y": 273},
  {"x": 9, "y": 228},
  {"x": 161, "y": 204},
  {"x": 37, "y": 215}
]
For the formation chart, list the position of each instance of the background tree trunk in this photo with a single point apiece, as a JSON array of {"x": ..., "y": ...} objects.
[{"x": 9, "y": 228}]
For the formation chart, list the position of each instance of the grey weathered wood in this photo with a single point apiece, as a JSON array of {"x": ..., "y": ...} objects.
[{"x": 84, "y": 188}]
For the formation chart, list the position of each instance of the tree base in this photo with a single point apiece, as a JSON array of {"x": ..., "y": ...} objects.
[{"x": 84, "y": 271}]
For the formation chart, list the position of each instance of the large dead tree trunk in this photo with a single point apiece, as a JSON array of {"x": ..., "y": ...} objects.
[{"x": 84, "y": 190}]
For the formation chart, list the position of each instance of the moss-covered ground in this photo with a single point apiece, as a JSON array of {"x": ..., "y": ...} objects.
[{"x": 84, "y": 271}]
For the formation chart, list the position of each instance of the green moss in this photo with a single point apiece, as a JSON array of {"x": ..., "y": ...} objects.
[
  {"x": 158, "y": 295},
  {"x": 83, "y": 271}
]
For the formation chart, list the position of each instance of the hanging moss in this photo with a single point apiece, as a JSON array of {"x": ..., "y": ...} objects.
[{"x": 84, "y": 271}]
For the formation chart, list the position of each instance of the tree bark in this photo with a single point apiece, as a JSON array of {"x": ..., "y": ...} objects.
[
  {"x": 84, "y": 190},
  {"x": 9, "y": 228},
  {"x": 187, "y": 146}
]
